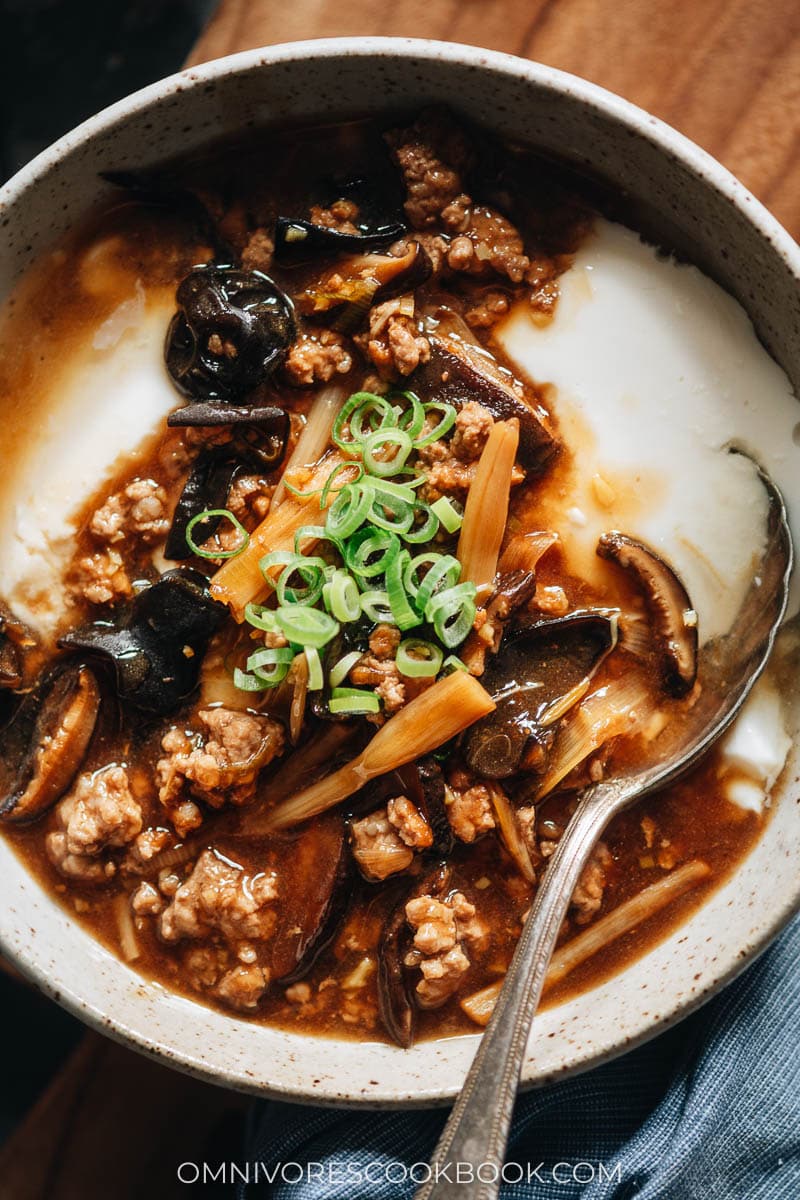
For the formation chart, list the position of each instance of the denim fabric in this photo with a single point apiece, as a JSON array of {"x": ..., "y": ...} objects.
[{"x": 710, "y": 1109}]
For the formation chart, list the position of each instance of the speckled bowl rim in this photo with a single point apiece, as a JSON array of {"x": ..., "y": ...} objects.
[{"x": 670, "y": 144}]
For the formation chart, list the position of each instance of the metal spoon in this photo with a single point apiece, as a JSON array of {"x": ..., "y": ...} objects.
[{"x": 476, "y": 1133}]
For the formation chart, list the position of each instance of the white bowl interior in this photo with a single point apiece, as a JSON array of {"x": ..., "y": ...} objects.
[{"x": 696, "y": 207}]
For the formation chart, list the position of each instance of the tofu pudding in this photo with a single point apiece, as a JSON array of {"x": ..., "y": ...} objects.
[{"x": 371, "y": 507}]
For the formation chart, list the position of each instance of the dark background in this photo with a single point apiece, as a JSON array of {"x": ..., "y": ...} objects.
[
  {"x": 60, "y": 62},
  {"x": 63, "y": 60}
]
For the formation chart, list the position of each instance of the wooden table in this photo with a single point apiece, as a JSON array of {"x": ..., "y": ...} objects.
[{"x": 725, "y": 72}]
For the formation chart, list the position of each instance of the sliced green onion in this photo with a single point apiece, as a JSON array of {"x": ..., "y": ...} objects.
[
  {"x": 206, "y": 515},
  {"x": 276, "y": 558},
  {"x": 316, "y": 680},
  {"x": 315, "y": 533},
  {"x": 404, "y": 615},
  {"x": 306, "y": 626},
  {"x": 448, "y": 514},
  {"x": 341, "y": 597},
  {"x": 375, "y": 605},
  {"x": 353, "y": 700},
  {"x": 429, "y": 527},
  {"x": 345, "y": 466},
  {"x": 247, "y": 683},
  {"x": 301, "y": 495},
  {"x": 454, "y": 663},
  {"x": 452, "y": 612},
  {"x": 352, "y": 414},
  {"x": 311, "y": 571},
  {"x": 446, "y": 423},
  {"x": 271, "y": 666},
  {"x": 413, "y": 418},
  {"x": 392, "y": 513},
  {"x": 343, "y": 667},
  {"x": 418, "y": 659},
  {"x": 374, "y": 442},
  {"x": 348, "y": 510},
  {"x": 261, "y": 617},
  {"x": 364, "y": 545},
  {"x": 441, "y": 575},
  {"x": 399, "y": 491}
]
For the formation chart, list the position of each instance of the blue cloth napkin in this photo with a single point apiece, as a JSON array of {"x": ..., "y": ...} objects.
[{"x": 710, "y": 1109}]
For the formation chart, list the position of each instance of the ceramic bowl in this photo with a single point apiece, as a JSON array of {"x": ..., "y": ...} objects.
[{"x": 697, "y": 207}]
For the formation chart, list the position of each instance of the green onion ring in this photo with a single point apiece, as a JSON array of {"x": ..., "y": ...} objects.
[
  {"x": 404, "y": 615},
  {"x": 452, "y": 613},
  {"x": 440, "y": 576},
  {"x": 343, "y": 667},
  {"x": 448, "y": 514},
  {"x": 204, "y": 516},
  {"x": 416, "y": 413},
  {"x": 418, "y": 659},
  {"x": 341, "y": 597},
  {"x": 356, "y": 701},
  {"x": 247, "y": 683},
  {"x": 367, "y": 401},
  {"x": 348, "y": 510},
  {"x": 306, "y": 626},
  {"x": 386, "y": 437},
  {"x": 375, "y": 605},
  {"x": 444, "y": 426},
  {"x": 345, "y": 466},
  {"x": 312, "y": 571},
  {"x": 427, "y": 531},
  {"x": 276, "y": 660},
  {"x": 261, "y": 617},
  {"x": 367, "y": 542},
  {"x": 316, "y": 680}
]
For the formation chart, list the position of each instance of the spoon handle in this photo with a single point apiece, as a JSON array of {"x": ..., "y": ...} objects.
[{"x": 468, "y": 1160}]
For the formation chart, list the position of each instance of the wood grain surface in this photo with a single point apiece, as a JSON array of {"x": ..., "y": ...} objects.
[{"x": 725, "y": 72}]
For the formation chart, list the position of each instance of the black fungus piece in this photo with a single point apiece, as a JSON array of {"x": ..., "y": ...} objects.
[
  {"x": 396, "y": 1003},
  {"x": 43, "y": 746},
  {"x": 298, "y": 241},
  {"x": 211, "y": 479},
  {"x": 534, "y": 680},
  {"x": 231, "y": 331},
  {"x": 274, "y": 421},
  {"x": 423, "y": 783},
  {"x": 156, "y": 654}
]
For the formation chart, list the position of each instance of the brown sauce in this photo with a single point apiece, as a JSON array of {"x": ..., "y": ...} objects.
[{"x": 691, "y": 820}]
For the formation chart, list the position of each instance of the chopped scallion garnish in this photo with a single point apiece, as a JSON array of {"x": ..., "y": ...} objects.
[{"x": 206, "y": 515}]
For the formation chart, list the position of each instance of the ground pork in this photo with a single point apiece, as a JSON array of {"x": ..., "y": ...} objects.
[
  {"x": 433, "y": 156},
  {"x": 588, "y": 895},
  {"x": 341, "y": 215},
  {"x": 98, "y": 814},
  {"x": 249, "y": 499},
  {"x": 220, "y": 897},
  {"x": 409, "y": 822},
  {"x": 468, "y": 806},
  {"x": 445, "y": 475},
  {"x": 441, "y": 928},
  {"x": 139, "y": 511},
  {"x": 243, "y": 986},
  {"x": 472, "y": 428},
  {"x": 488, "y": 242},
  {"x": 383, "y": 641},
  {"x": 378, "y": 848},
  {"x": 317, "y": 357},
  {"x": 147, "y": 901},
  {"x": 258, "y": 251},
  {"x": 223, "y": 765},
  {"x": 487, "y": 309},
  {"x": 384, "y": 676},
  {"x": 100, "y": 578},
  {"x": 395, "y": 343}
]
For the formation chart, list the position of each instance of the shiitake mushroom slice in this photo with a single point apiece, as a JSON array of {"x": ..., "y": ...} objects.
[
  {"x": 15, "y": 641},
  {"x": 156, "y": 652},
  {"x": 541, "y": 665},
  {"x": 314, "y": 897},
  {"x": 269, "y": 419},
  {"x": 396, "y": 1005},
  {"x": 458, "y": 371},
  {"x": 42, "y": 748},
  {"x": 672, "y": 615},
  {"x": 233, "y": 328}
]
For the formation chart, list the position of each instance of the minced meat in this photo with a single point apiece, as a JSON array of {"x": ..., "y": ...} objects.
[{"x": 220, "y": 897}]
